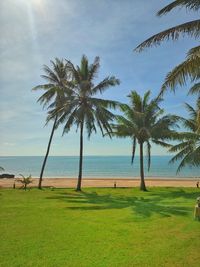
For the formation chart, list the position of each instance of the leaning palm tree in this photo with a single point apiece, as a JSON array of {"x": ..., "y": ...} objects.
[
  {"x": 55, "y": 89},
  {"x": 188, "y": 150},
  {"x": 190, "y": 68},
  {"x": 144, "y": 123},
  {"x": 82, "y": 108}
]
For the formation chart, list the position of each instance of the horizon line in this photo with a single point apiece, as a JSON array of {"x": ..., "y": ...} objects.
[{"x": 91, "y": 155}]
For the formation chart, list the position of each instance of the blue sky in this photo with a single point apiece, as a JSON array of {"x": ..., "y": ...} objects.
[{"x": 34, "y": 32}]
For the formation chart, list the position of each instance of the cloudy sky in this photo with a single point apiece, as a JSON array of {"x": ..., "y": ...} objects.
[{"x": 35, "y": 31}]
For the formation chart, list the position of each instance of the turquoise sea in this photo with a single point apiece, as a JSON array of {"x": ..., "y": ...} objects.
[{"x": 94, "y": 167}]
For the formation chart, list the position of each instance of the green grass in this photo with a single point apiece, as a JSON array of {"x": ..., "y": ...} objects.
[{"x": 99, "y": 227}]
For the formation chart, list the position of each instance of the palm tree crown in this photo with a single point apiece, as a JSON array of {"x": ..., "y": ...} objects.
[
  {"x": 54, "y": 89},
  {"x": 83, "y": 106}
]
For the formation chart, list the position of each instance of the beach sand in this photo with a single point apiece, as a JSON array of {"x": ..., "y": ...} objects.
[{"x": 103, "y": 182}]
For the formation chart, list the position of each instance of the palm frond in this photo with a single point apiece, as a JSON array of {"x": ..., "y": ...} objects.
[
  {"x": 148, "y": 155},
  {"x": 190, "y": 68},
  {"x": 105, "y": 84},
  {"x": 46, "y": 97},
  {"x": 161, "y": 143},
  {"x": 51, "y": 74},
  {"x": 188, "y": 4},
  {"x": 191, "y": 28},
  {"x": 90, "y": 121},
  {"x": 104, "y": 102},
  {"x": 188, "y": 156},
  {"x": 71, "y": 69},
  {"x": 195, "y": 89},
  {"x": 180, "y": 146},
  {"x": 133, "y": 150},
  {"x": 43, "y": 86},
  {"x": 146, "y": 99},
  {"x": 104, "y": 117},
  {"x": 70, "y": 121},
  {"x": 136, "y": 101},
  {"x": 93, "y": 69},
  {"x": 189, "y": 147}
]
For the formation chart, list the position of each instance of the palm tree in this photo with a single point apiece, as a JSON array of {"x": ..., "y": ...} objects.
[
  {"x": 82, "y": 108},
  {"x": 144, "y": 124},
  {"x": 1, "y": 169},
  {"x": 25, "y": 181},
  {"x": 189, "y": 147},
  {"x": 190, "y": 68},
  {"x": 55, "y": 89}
]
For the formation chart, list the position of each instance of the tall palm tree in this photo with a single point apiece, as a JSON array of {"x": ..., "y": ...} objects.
[
  {"x": 189, "y": 147},
  {"x": 142, "y": 121},
  {"x": 82, "y": 108},
  {"x": 190, "y": 68},
  {"x": 55, "y": 89}
]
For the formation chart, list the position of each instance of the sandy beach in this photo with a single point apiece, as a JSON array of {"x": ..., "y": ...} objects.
[{"x": 103, "y": 182}]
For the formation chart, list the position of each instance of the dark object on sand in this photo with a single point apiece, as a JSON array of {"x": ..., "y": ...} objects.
[
  {"x": 198, "y": 184},
  {"x": 6, "y": 175},
  {"x": 115, "y": 184}
]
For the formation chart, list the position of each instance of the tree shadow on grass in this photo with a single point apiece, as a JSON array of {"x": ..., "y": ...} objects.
[
  {"x": 160, "y": 203},
  {"x": 178, "y": 193}
]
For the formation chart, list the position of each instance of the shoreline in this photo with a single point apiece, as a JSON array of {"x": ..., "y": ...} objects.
[
  {"x": 104, "y": 182},
  {"x": 190, "y": 178}
]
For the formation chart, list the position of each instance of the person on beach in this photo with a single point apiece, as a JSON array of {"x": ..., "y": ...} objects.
[{"x": 197, "y": 184}]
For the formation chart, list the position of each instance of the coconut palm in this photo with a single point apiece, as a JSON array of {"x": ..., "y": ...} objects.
[
  {"x": 144, "y": 123},
  {"x": 188, "y": 150},
  {"x": 1, "y": 169},
  {"x": 82, "y": 108},
  {"x": 55, "y": 89},
  {"x": 190, "y": 68}
]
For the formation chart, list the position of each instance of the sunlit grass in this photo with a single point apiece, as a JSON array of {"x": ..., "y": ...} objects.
[{"x": 99, "y": 227}]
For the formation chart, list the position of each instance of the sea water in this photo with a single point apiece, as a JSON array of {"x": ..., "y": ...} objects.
[{"x": 94, "y": 167}]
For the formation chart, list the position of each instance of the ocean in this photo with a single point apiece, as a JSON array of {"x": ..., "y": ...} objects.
[{"x": 93, "y": 167}]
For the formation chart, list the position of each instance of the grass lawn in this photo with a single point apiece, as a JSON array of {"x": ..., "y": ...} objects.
[{"x": 99, "y": 227}]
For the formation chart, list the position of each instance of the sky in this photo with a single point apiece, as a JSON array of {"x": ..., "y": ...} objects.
[{"x": 33, "y": 32}]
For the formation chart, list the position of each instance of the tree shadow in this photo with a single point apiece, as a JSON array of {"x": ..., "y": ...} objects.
[
  {"x": 145, "y": 206},
  {"x": 177, "y": 193}
]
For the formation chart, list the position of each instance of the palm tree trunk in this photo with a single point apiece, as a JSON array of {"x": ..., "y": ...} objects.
[
  {"x": 47, "y": 153},
  {"x": 142, "y": 183},
  {"x": 78, "y": 188}
]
